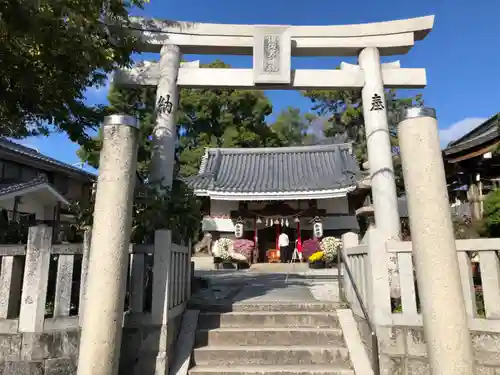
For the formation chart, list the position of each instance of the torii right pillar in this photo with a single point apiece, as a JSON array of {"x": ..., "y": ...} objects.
[{"x": 383, "y": 182}]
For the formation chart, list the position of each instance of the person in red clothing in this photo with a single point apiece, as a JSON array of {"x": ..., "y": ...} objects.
[{"x": 298, "y": 246}]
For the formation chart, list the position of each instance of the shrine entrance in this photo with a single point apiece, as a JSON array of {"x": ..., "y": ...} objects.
[{"x": 274, "y": 218}]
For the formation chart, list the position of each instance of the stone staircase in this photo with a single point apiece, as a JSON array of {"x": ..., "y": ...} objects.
[{"x": 272, "y": 339}]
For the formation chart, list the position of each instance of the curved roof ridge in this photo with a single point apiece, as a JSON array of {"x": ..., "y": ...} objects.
[{"x": 313, "y": 148}]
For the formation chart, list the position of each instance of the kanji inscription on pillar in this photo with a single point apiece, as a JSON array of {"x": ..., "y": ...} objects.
[
  {"x": 377, "y": 103},
  {"x": 164, "y": 105},
  {"x": 272, "y": 55}
]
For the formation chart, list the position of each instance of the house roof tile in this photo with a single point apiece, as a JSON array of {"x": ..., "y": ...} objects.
[
  {"x": 7, "y": 188},
  {"x": 27, "y": 152}
]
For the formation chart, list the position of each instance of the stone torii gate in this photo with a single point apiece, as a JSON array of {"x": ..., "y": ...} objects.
[{"x": 272, "y": 48}]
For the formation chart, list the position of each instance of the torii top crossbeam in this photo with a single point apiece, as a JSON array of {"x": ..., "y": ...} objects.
[{"x": 391, "y": 37}]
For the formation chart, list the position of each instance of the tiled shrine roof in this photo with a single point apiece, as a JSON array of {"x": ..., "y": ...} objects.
[
  {"x": 480, "y": 135},
  {"x": 253, "y": 171}
]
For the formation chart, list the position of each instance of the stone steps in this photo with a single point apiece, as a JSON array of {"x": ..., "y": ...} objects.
[
  {"x": 263, "y": 319},
  {"x": 231, "y": 355},
  {"x": 286, "y": 338},
  {"x": 291, "y": 306},
  {"x": 272, "y": 370},
  {"x": 269, "y": 336}
]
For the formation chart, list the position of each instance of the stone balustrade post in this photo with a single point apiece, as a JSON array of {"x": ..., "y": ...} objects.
[
  {"x": 87, "y": 237},
  {"x": 379, "y": 298},
  {"x": 349, "y": 239},
  {"x": 158, "y": 343},
  {"x": 36, "y": 276}
]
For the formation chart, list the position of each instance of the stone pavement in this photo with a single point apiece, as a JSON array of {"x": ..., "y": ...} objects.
[{"x": 274, "y": 283}]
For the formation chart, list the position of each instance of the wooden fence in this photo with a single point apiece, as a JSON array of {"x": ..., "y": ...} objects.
[
  {"x": 480, "y": 281},
  {"x": 42, "y": 285}
]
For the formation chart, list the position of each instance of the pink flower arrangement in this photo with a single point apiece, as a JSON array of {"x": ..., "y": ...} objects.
[
  {"x": 244, "y": 247},
  {"x": 309, "y": 247}
]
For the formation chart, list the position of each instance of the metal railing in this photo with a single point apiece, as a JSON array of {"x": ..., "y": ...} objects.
[{"x": 375, "y": 351}]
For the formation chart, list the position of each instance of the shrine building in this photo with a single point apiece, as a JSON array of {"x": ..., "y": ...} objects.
[{"x": 256, "y": 193}]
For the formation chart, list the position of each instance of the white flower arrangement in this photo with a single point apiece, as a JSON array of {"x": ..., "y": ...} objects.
[
  {"x": 330, "y": 247},
  {"x": 223, "y": 247}
]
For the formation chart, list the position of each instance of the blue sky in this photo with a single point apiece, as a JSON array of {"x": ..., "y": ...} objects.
[{"x": 461, "y": 54}]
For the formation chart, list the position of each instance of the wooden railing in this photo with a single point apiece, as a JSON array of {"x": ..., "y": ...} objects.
[
  {"x": 42, "y": 285},
  {"x": 480, "y": 282}
]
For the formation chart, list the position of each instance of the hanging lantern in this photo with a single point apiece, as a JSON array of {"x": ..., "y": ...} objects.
[
  {"x": 282, "y": 222},
  {"x": 238, "y": 228},
  {"x": 259, "y": 220},
  {"x": 287, "y": 223},
  {"x": 317, "y": 227}
]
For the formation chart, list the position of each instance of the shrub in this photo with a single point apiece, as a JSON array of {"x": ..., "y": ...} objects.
[{"x": 491, "y": 215}]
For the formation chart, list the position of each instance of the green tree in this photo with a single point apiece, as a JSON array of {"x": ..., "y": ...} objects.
[
  {"x": 52, "y": 51},
  {"x": 154, "y": 207},
  {"x": 221, "y": 118},
  {"x": 291, "y": 127},
  {"x": 344, "y": 110}
]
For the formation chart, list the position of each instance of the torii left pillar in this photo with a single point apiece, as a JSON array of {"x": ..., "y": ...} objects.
[{"x": 167, "y": 102}]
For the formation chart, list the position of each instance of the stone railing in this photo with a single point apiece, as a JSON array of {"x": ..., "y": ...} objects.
[
  {"x": 42, "y": 292},
  {"x": 399, "y": 322}
]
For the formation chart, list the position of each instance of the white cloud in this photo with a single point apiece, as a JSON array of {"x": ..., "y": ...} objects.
[{"x": 458, "y": 129}]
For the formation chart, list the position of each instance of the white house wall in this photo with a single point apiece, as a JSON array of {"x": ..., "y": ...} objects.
[{"x": 29, "y": 205}]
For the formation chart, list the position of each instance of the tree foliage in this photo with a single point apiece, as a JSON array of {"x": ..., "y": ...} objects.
[
  {"x": 344, "y": 110},
  {"x": 52, "y": 51},
  {"x": 206, "y": 118},
  {"x": 221, "y": 118},
  {"x": 155, "y": 207},
  {"x": 491, "y": 214},
  {"x": 293, "y": 129}
]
